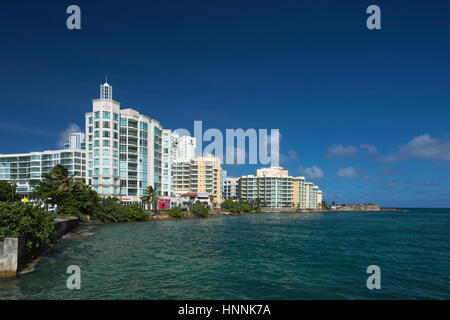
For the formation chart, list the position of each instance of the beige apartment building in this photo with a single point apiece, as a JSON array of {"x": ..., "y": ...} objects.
[{"x": 200, "y": 174}]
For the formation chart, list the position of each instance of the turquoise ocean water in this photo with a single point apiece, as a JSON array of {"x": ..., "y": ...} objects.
[{"x": 258, "y": 256}]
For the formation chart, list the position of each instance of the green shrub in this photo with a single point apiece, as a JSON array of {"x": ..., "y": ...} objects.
[
  {"x": 8, "y": 192},
  {"x": 110, "y": 210},
  {"x": 33, "y": 222},
  {"x": 175, "y": 212},
  {"x": 246, "y": 208},
  {"x": 200, "y": 209},
  {"x": 240, "y": 206},
  {"x": 136, "y": 213}
]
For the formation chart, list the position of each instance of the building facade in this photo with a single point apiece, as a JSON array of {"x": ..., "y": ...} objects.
[
  {"x": 200, "y": 174},
  {"x": 123, "y": 150},
  {"x": 26, "y": 169},
  {"x": 183, "y": 148},
  {"x": 230, "y": 188},
  {"x": 76, "y": 140},
  {"x": 276, "y": 189}
]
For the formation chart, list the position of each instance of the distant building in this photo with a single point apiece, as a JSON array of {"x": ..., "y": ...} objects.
[
  {"x": 76, "y": 140},
  {"x": 276, "y": 189},
  {"x": 26, "y": 169},
  {"x": 230, "y": 188},
  {"x": 183, "y": 148}
]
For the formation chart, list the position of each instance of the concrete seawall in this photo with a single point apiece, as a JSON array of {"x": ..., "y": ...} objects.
[{"x": 13, "y": 249}]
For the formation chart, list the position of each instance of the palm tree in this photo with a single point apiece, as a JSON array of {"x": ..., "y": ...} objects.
[
  {"x": 258, "y": 204},
  {"x": 151, "y": 195}
]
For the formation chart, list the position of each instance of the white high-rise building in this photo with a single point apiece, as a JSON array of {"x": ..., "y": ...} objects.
[
  {"x": 76, "y": 140},
  {"x": 26, "y": 169},
  {"x": 169, "y": 139},
  {"x": 184, "y": 148},
  {"x": 230, "y": 188},
  {"x": 123, "y": 149}
]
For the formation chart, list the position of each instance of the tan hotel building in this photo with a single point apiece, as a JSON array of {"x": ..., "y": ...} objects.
[{"x": 198, "y": 175}]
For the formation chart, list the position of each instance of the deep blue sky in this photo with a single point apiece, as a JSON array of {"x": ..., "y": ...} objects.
[{"x": 310, "y": 68}]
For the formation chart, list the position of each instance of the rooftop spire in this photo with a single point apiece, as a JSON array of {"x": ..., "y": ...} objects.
[{"x": 106, "y": 90}]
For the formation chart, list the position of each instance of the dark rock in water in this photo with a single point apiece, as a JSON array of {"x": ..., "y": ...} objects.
[{"x": 358, "y": 207}]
